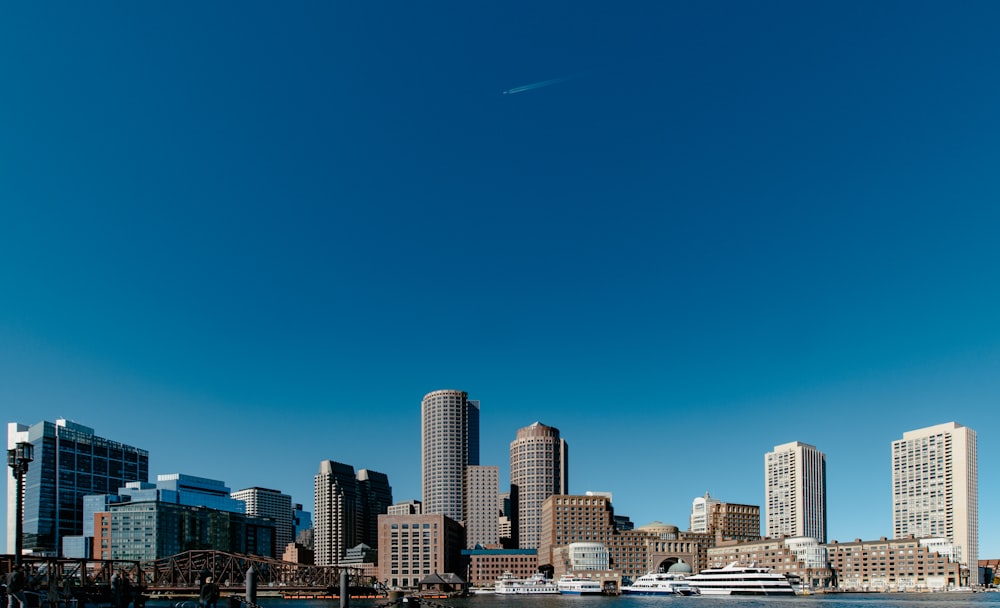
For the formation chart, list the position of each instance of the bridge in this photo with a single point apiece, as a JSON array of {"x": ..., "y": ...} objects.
[{"x": 179, "y": 574}]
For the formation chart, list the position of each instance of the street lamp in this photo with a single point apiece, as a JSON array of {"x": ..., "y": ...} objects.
[{"x": 18, "y": 458}]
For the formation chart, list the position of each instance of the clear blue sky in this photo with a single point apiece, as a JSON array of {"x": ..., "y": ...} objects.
[{"x": 250, "y": 236}]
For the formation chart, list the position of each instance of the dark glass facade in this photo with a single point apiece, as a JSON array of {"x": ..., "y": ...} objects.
[{"x": 70, "y": 462}]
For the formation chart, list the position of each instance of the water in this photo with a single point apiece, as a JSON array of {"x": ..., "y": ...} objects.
[{"x": 874, "y": 600}]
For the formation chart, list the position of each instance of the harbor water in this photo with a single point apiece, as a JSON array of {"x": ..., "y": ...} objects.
[{"x": 838, "y": 600}]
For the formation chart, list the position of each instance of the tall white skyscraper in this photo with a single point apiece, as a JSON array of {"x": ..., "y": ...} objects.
[
  {"x": 935, "y": 488},
  {"x": 795, "y": 477},
  {"x": 539, "y": 468},
  {"x": 449, "y": 431}
]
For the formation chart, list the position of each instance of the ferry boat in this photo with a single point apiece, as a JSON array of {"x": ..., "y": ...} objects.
[
  {"x": 740, "y": 580},
  {"x": 575, "y": 585},
  {"x": 660, "y": 583},
  {"x": 536, "y": 584}
]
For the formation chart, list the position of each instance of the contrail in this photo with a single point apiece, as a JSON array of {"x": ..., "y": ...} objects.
[{"x": 537, "y": 85}]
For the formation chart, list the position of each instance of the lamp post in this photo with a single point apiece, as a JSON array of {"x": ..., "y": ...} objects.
[{"x": 18, "y": 458}]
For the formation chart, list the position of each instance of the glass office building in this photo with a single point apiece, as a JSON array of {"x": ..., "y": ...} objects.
[{"x": 70, "y": 462}]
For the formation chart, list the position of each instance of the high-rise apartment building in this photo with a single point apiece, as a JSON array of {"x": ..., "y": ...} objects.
[
  {"x": 376, "y": 498},
  {"x": 337, "y": 523},
  {"x": 271, "y": 504},
  {"x": 70, "y": 462},
  {"x": 449, "y": 426},
  {"x": 935, "y": 488},
  {"x": 539, "y": 468},
  {"x": 482, "y": 506},
  {"x": 412, "y": 547},
  {"x": 345, "y": 503},
  {"x": 795, "y": 491}
]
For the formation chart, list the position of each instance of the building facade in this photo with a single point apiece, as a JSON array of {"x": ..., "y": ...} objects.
[
  {"x": 149, "y": 530},
  {"x": 568, "y": 519},
  {"x": 70, "y": 462},
  {"x": 901, "y": 564},
  {"x": 409, "y": 507},
  {"x": 802, "y": 559},
  {"x": 482, "y": 506},
  {"x": 376, "y": 498},
  {"x": 449, "y": 430},
  {"x": 485, "y": 566},
  {"x": 411, "y": 547},
  {"x": 539, "y": 468},
  {"x": 725, "y": 520},
  {"x": 935, "y": 488},
  {"x": 337, "y": 524},
  {"x": 795, "y": 491},
  {"x": 274, "y": 505}
]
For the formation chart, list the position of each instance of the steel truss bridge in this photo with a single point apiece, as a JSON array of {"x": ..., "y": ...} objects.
[{"x": 180, "y": 573}]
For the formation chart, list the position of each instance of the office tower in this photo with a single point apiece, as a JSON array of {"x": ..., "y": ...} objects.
[
  {"x": 482, "y": 506},
  {"x": 376, "y": 498},
  {"x": 70, "y": 463},
  {"x": 301, "y": 522},
  {"x": 449, "y": 426},
  {"x": 539, "y": 468},
  {"x": 272, "y": 504},
  {"x": 935, "y": 488},
  {"x": 795, "y": 491},
  {"x": 337, "y": 522},
  {"x": 725, "y": 520}
]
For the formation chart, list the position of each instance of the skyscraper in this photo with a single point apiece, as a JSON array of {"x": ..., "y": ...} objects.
[
  {"x": 70, "y": 463},
  {"x": 337, "y": 522},
  {"x": 539, "y": 468},
  {"x": 482, "y": 506},
  {"x": 935, "y": 488},
  {"x": 376, "y": 498},
  {"x": 449, "y": 430},
  {"x": 272, "y": 504},
  {"x": 795, "y": 491}
]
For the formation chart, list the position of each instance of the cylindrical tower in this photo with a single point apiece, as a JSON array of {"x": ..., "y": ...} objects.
[
  {"x": 449, "y": 430},
  {"x": 538, "y": 469}
]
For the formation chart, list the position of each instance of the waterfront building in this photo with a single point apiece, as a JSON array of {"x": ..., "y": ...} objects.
[
  {"x": 414, "y": 546},
  {"x": 568, "y": 519},
  {"x": 485, "y": 566},
  {"x": 409, "y": 507},
  {"x": 800, "y": 558},
  {"x": 539, "y": 468},
  {"x": 338, "y": 512},
  {"x": 725, "y": 520},
  {"x": 935, "y": 488},
  {"x": 449, "y": 430},
  {"x": 273, "y": 504},
  {"x": 482, "y": 506},
  {"x": 589, "y": 556},
  {"x": 70, "y": 463},
  {"x": 795, "y": 491},
  {"x": 146, "y": 530},
  {"x": 901, "y": 564},
  {"x": 363, "y": 558},
  {"x": 376, "y": 498}
]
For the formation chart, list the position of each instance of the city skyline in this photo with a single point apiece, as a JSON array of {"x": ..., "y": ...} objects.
[{"x": 248, "y": 239}]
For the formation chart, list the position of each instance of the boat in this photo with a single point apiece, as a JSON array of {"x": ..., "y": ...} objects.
[
  {"x": 575, "y": 585},
  {"x": 660, "y": 583},
  {"x": 741, "y": 580},
  {"x": 536, "y": 584}
]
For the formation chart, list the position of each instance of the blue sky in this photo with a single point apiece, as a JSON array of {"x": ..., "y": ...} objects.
[{"x": 250, "y": 236}]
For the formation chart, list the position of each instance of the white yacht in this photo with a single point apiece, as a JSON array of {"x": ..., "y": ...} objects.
[
  {"x": 660, "y": 583},
  {"x": 740, "y": 580},
  {"x": 536, "y": 584},
  {"x": 575, "y": 585}
]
